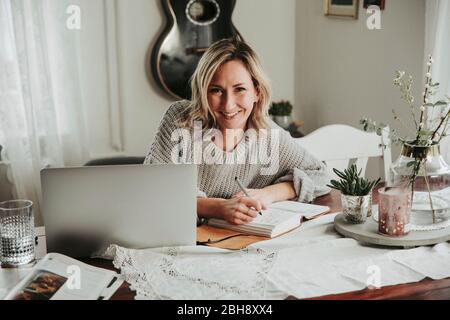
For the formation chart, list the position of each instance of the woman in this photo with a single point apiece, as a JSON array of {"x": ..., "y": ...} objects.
[{"x": 227, "y": 119}]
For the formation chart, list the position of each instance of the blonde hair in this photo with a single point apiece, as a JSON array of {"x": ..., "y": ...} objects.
[{"x": 218, "y": 54}]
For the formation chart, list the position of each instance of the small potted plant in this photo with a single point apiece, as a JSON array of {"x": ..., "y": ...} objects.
[
  {"x": 281, "y": 113},
  {"x": 356, "y": 194}
]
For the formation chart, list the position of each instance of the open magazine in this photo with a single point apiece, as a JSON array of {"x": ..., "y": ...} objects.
[{"x": 58, "y": 277}]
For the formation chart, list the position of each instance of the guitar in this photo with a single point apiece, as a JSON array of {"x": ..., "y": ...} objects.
[{"x": 193, "y": 25}]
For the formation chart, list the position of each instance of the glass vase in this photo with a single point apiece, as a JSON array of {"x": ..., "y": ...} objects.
[
  {"x": 425, "y": 173},
  {"x": 356, "y": 209}
]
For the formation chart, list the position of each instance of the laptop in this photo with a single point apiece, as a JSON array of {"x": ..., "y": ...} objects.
[{"x": 85, "y": 209}]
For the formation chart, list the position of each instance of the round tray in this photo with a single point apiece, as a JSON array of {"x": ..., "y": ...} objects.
[{"x": 368, "y": 232}]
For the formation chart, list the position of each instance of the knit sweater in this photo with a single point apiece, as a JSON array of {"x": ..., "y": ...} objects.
[{"x": 275, "y": 157}]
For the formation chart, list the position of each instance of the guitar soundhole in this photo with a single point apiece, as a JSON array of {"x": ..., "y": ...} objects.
[{"x": 202, "y": 12}]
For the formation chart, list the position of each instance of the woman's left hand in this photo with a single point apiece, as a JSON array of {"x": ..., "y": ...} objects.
[{"x": 262, "y": 195}]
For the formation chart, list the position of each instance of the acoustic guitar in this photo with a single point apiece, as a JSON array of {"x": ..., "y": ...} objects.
[{"x": 193, "y": 25}]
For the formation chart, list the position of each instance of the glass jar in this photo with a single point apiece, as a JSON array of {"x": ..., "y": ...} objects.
[
  {"x": 424, "y": 171},
  {"x": 356, "y": 209}
]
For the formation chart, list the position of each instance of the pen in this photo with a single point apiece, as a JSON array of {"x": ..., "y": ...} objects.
[{"x": 244, "y": 191}]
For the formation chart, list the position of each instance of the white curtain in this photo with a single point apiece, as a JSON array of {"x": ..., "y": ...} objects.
[
  {"x": 437, "y": 43},
  {"x": 41, "y": 109}
]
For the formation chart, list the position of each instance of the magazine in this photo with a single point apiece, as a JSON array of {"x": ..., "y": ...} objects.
[
  {"x": 58, "y": 277},
  {"x": 279, "y": 218}
]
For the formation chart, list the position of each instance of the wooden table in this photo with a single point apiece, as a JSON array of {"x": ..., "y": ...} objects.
[{"x": 425, "y": 289}]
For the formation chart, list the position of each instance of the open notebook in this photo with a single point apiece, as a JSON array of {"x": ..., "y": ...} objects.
[{"x": 279, "y": 218}]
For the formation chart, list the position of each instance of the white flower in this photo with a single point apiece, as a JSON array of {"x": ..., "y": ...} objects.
[
  {"x": 430, "y": 142},
  {"x": 428, "y": 74},
  {"x": 399, "y": 75},
  {"x": 422, "y": 108}
]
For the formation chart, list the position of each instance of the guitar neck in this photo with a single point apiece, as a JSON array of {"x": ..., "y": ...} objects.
[{"x": 199, "y": 51}]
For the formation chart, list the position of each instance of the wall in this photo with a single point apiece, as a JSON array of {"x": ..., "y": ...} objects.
[
  {"x": 268, "y": 25},
  {"x": 345, "y": 71}
]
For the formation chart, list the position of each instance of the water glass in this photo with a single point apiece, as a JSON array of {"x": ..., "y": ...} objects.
[
  {"x": 17, "y": 236},
  {"x": 394, "y": 211}
]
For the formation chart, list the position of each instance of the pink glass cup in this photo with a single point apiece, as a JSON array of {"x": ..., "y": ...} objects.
[{"x": 394, "y": 211}]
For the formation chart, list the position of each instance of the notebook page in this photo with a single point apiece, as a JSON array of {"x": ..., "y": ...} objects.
[
  {"x": 273, "y": 217},
  {"x": 305, "y": 209}
]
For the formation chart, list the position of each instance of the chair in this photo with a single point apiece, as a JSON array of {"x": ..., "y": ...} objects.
[
  {"x": 115, "y": 161},
  {"x": 339, "y": 146}
]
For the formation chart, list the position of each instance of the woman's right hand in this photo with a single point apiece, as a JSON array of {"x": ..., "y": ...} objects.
[{"x": 240, "y": 210}]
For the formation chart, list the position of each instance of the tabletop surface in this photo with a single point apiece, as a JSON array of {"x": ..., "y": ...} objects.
[{"x": 425, "y": 289}]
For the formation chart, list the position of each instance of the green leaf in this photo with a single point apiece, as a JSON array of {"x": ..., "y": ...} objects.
[
  {"x": 333, "y": 187},
  {"x": 441, "y": 103},
  {"x": 336, "y": 184},
  {"x": 425, "y": 132},
  {"x": 340, "y": 174},
  {"x": 410, "y": 164}
]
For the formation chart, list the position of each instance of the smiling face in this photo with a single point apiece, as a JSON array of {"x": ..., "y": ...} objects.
[{"x": 232, "y": 95}]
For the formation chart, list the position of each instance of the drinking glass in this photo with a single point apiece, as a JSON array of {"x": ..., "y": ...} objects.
[
  {"x": 17, "y": 236},
  {"x": 394, "y": 211}
]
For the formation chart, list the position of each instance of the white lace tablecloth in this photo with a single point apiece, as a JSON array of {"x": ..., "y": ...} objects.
[{"x": 311, "y": 261}]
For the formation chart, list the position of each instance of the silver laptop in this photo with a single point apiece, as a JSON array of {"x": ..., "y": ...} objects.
[{"x": 136, "y": 206}]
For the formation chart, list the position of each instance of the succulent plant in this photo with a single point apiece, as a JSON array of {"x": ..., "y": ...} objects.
[
  {"x": 351, "y": 182},
  {"x": 281, "y": 108}
]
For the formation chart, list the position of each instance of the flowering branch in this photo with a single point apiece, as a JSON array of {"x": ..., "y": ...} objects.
[
  {"x": 443, "y": 119},
  {"x": 405, "y": 88},
  {"x": 425, "y": 96},
  {"x": 429, "y": 130},
  {"x": 424, "y": 135}
]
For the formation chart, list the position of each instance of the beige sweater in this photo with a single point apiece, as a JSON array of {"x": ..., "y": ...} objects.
[{"x": 278, "y": 159}]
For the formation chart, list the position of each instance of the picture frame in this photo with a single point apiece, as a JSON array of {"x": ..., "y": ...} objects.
[
  {"x": 379, "y": 3},
  {"x": 341, "y": 8}
]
